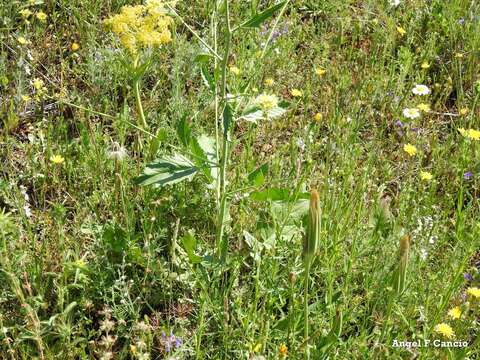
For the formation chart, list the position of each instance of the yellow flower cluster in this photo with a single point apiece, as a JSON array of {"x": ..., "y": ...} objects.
[
  {"x": 142, "y": 26},
  {"x": 470, "y": 133},
  {"x": 266, "y": 102}
]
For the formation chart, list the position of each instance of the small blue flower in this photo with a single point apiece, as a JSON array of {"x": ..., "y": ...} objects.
[
  {"x": 467, "y": 277},
  {"x": 468, "y": 175},
  {"x": 171, "y": 341}
]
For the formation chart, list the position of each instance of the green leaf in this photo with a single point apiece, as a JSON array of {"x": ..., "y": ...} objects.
[
  {"x": 277, "y": 194},
  {"x": 189, "y": 244},
  {"x": 253, "y": 114},
  {"x": 205, "y": 155},
  {"x": 203, "y": 58},
  {"x": 208, "y": 79},
  {"x": 257, "y": 177},
  {"x": 258, "y": 19},
  {"x": 183, "y": 131},
  {"x": 167, "y": 170}
]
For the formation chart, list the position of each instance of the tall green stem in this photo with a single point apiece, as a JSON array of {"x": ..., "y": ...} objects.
[
  {"x": 136, "y": 86},
  {"x": 225, "y": 142},
  {"x": 305, "y": 307}
]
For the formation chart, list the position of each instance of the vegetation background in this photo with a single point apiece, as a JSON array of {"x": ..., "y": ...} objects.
[{"x": 94, "y": 266}]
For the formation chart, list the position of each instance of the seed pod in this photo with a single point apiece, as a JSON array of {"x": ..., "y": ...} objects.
[
  {"x": 312, "y": 238},
  {"x": 404, "y": 252}
]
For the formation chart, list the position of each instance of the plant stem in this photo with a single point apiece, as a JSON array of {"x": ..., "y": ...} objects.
[
  {"x": 305, "y": 309},
  {"x": 225, "y": 145},
  {"x": 136, "y": 86}
]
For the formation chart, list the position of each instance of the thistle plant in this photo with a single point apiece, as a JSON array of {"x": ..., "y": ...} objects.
[
  {"x": 310, "y": 248},
  {"x": 138, "y": 29}
]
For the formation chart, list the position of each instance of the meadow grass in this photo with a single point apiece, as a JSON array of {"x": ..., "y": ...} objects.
[{"x": 159, "y": 211}]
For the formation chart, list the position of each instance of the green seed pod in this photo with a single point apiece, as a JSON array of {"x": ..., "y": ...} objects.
[{"x": 312, "y": 238}]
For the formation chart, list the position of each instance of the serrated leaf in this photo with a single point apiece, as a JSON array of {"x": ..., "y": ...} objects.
[
  {"x": 258, "y": 19},
  {"x": 167, "y": 170}
]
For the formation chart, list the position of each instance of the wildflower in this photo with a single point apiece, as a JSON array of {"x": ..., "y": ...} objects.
[
  {"x": 235, "y": 70},
  {"x": 425, "y": 175},
  {"x": 401, "y": 30},
  {"x": 266, "y": 102},
  {"x": 296, "y": 93},
  {"x": 470, "y": 133},
  {"x": 463, "y": 111},
  {"x": 424, "y": 107},
  {"x": 410, "y": 149},
  {"x": 37, "y": 83},
  {"x": 41, "y": 16},
  {"x": 455, "y": 313},
  {"x": 255, "y": 90},
  {"x": 74, "y": 47},
  {"x": 411, "y": 113},
  {"x": 142, "y": 327},
  {"x": 118, "y": 153},
  {"x": 107, "y": 325},
  {"x": 141, "y": 26},
  {"x": 283, "y": 350},
  {"x": 425, "y": 65},
  {"x": 474, "y": 291},
  {"x": 421, "y": 90},
  {"x": 25, "y": 13},
  {"x": 318, "y": 117},
  {"x": 107, "y": 355},
  {"x": 57, "y": 159},
  {"x": 445, "y": 330},
  {"x": 320, "y": 71},
  {"x": 394, "y": 3},
  {"x": 458, "y": 55},
  {"x": 461, "y": 21},
  {"x": 468, "y": 175},
  {"x": 169, "y": 341},
  {"x": 21, "y": 40},
  {"x": 467, "y": 277},
  {"x": 269, "y": 82},
  {"x": 108, "y": 341}
]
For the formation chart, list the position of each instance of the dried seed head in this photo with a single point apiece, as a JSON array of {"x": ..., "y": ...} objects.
[
  {"x": 404, "y": 246},
  {"x": 312, "y": 238}
]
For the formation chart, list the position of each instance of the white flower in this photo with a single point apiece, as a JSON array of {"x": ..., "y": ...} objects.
[
  {"x": 423, "y": 254},
  {"x": 411, "y": 113},
  {"x": 421, "y": 90},
  {"x": 118, "y": 153},
  {"x": 394, "y": 2}
]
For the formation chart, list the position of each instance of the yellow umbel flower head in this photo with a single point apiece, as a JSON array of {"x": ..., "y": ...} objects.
[
  {"x": 266, "y": 102},
  {"x": 142, "y": 26}
]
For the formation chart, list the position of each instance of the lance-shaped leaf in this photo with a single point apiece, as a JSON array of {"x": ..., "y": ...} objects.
[
  {"x": 258, "y": 19},
  {"x": 166, "y": 170}
]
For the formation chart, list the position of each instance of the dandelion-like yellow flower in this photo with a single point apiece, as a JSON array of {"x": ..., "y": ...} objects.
[
  {"x": 25, "y": 13},
  {"x": 424, "y": 107},
  {"x": 57, "y": 159},
  {"x": 318, "y": 117},
  {"x": 425, "y": 175},
  {"x": 410, "y": 149},
  {"x": 463, "y": 111},
  {"x": 142, "y": 26},
  {"x": 266, "y": 102},
  {"x": 458, "y": 55},
  {"x": 41, "y": 16},
  {"x": 455, "y": 313},
  {"x": 296, "y": 93},
  {"x": 401, "y": 30},
  {"x": 74, "y": 47},
  {"x": 470, "y": 133},
  {"x": 320, "y": 71},
  {"x": 25, "y": 98},
  {"x": 425, "y": 65},
  {"x": 21, "y": 40},
  {"x": 235, "y": 70},
  {"x": 474, "y": 291},
  {"x": 37, "y": 84},
  {"x": 445, "y": 330},
  {"x": 283, "y": 350},
  {"x": 269, "y": 82}
]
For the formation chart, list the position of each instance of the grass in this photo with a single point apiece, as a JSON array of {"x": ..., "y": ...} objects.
[{"x": 93, "y": 265}]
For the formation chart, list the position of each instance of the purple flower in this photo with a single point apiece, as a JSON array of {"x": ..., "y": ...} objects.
[
  {"x": 461, "y": 21},
  {"x": 169, "y": 341},
  {"x": 467, "y": 277},
  {"x": 468, "y": 175},
  {"x": 399, "y": 123},
  {"x": 276, "y": 33}
]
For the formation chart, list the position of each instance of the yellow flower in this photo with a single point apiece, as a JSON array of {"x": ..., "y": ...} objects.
[
  {"x": 401, "y": 30},
  {"x": 266, "y": 102},
  {"x": 318, "y": 117},
  {"x": 21, "y": 40},
  {"x": 235, "y": 70},
  {"x": 254, "y": 89},
  {"x": 25, "y": 13},
  {"x": 458, "y": 55},
  {"x": 473, "y": 134},
  {"x": 425, "y": 65},
  {"x": 424, "y": 107},
  {"x": 462, "y": 131},
  {"x": 320, "y": 71},
  {"x": 425, "y": 175},
  {"x": 455, "y": 313},
  {"x": 445, "y": 330},
  {"x": 37, "y": 83},
  {"x": 474, "y": 291},
  {"x": 41, "y": 16},
  {"x": 283, "y": 350},
  {"x": 269, "y": 82},
  {"x": 57, "y": 159},
  {"x": 74, "y": 47},
  {"x": 296, "y": 93},
  {"x": 410, "y": 149},
  {"x": 463, "y": 111},
  {"x": 25, "y": 98},
  {"x": 142, "y": 26}
]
